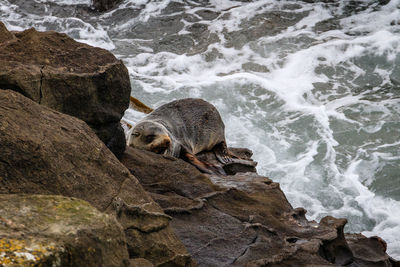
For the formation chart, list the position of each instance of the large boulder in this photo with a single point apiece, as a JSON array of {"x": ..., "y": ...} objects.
[
  {"x": 242, "y": 219},
  {"x": 46, "y": 152},
  {"x": 39, "y": 230},
  {"x": 74, "y": 78}
]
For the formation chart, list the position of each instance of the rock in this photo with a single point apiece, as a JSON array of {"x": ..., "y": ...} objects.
[
  {"x": 336, "y": 251},
  {"x": 168, "y": 32},
  {"x": 140, "y": 262},
  {"x": 74, "y": 78},
  {"x": 369, "y": 251},
  {"x": 46, "y": 152},
  {"x": 5, "y": 35},
  {"x": 39, "y": 230},
  {"x": 254, "y": 67},
  {"x": 104, "y": 5},
  {"x": 238, "y": 220},
  {"x": 264, "y": 24}
]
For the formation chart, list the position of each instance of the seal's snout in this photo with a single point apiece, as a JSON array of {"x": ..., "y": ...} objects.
[
  {"x": 164, "y": 140},
  {"x": 167, "y": 141},
  {"x": 161, "y": 144}
]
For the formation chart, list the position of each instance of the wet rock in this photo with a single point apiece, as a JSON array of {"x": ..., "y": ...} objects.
[
  {"x": 395, "y": 74},
  {"x": 251, "y": 66},
  {"x": 74, "y": 78},
  {"x": 266, "y": 24},
  {"x": 158, "y": 26},
  {"x": 39, "y": 230},
  {"x": 291, "y": 6},
  {"x": 369, "y": 251},
  {"x": 56, "y": 9},
  {"x": 208, "y": 14},
  {"x": 104, "y": 5},
  {"x": 352, "y": 6},
  {"x": 237, "y": 220},
  {"x": 327, "y": 25},
  {"x": 169, "y": 32},
  {"x": 174, "y": 7},
  {"x": 46, "y": 152}
]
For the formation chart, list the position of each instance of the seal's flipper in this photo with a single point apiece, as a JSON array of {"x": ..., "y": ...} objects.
[
  {"x": 222, "y": 153},
  {"x": 243, "y": 162},
  {"x": 204, "y": 166},
  {"x": 226, "y": 157},
  {"x": 136, "y": 104}
]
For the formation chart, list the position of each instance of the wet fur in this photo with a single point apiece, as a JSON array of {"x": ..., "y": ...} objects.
[{"x": 194, "y": 123}]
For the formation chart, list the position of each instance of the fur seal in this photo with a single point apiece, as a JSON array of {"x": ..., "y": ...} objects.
[{"x": 182, "y": 129}]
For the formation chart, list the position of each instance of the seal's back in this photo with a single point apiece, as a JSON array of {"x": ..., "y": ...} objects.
[{"x": 195, "y": 123}]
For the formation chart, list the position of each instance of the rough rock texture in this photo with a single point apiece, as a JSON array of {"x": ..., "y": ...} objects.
[
  {"x": 265, "y": 24},
  {"x": 242, "y": 219},
  {"x": 46, "y": 152},
  {"x": 74, "y": 78},
  {"x": 365, "y": 252},
  {"x": 39, "y": 230},
  {"x": 104, "y": 5},
  {"x": 5, "y": 35}
]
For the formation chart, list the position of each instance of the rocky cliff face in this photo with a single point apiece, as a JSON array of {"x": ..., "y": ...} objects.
[
  {"x": 46, "y": 152},
  {"x": 242, "y": 219},
  {"x": 74, "y": 78},
  {"x": 245, "y": 219}
]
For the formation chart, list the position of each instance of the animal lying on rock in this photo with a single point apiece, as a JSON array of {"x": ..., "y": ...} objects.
[{"x": 182, "y": 129}]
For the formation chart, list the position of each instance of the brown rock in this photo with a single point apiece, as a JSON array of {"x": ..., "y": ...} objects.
[
  {"x": 369, "y": 251},
  {"x": 336, "y": 250},
  {"x": 140, "y": 262},
  {"x": 5, "y": 35},
  {"x": 39, "y": 230},
  {"x": 74, "y": 78},
  {"x": 47, "y": 152},
  {"x": 237, "y": 220}
]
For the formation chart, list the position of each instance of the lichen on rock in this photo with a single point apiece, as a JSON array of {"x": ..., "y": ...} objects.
[
  {"x": 44, "y": 230},
  {"x": 47, "y": 152}
]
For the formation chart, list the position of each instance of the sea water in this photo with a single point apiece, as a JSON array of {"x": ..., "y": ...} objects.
[{"x": 313, "y": 89}]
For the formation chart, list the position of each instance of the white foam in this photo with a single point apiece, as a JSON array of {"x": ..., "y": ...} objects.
[{"x": 18, "y": 20}]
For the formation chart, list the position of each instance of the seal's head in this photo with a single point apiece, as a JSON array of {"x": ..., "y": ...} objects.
[{"x": 151, "y": 136}]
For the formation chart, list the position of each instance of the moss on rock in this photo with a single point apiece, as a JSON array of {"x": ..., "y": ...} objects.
[{"x": 45, "y": 230}]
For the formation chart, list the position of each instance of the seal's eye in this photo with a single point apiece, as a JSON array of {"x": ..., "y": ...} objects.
[
  {"x": 150, "y": 138},
  {"x": 136, "y": 134}
]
